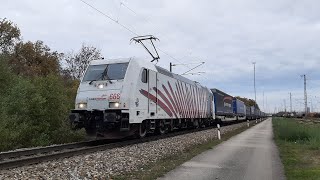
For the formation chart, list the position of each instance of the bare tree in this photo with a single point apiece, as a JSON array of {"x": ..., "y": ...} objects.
[
  {"x": 9, "y": 35},
  {"x": 78, "y": 62}
]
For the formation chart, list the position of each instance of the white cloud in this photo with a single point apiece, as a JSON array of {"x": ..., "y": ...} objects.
[{"x": 281, "y": 36}]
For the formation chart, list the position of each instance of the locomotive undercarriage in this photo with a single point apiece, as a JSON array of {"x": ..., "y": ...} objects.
[
  {"x": 99, "y": 123},
  {"x": 114, "y": 124},
  {"x": 162, "y": 126}
]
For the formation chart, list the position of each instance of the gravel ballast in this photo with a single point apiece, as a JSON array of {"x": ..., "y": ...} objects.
[{"x": 104, "y": 164}]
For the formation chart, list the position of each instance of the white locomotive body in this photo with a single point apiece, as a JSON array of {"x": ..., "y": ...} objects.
[{"x": 126, "y": 96}]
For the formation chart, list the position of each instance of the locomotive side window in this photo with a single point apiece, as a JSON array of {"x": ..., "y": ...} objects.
[{"x": 144, "y": 76}]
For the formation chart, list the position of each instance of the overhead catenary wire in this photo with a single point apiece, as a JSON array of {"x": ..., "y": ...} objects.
[
  {"x": 127, "y": 28},
  {"x": 146, "y": 20},
  {"x": 109, "y": 17},
  {"x": 118, "y": 14},
  {"x": 193, "y": 68}
]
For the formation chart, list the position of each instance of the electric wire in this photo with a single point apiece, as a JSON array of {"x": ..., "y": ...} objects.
[
  {"x": 128, "y": 29},
  {"x": 109, "y": 17},
  {"x": 146, "y": 20}
]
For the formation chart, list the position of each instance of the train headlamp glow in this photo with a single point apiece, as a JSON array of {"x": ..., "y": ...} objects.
[
  {"x": 114, "y": 104},
  {"x": 82, "y": 105},
  {"x": 100, "y": 86}
]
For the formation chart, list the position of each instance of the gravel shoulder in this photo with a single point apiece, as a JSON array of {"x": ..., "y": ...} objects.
[{"x": 113, "y": 162}]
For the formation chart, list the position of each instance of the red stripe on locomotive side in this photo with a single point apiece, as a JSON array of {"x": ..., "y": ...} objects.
[
  {"x": 180, "y": 92},
  {"x": 193, "y": 102},
  {"x": 179, "y": 99},
  {"x": 185, "y": 96},
  {"x": 175, "y": 96},
  {"x": 169, "y": 105},
  {"x": 202, "y": 103},
  {"x": 197, "y": 99},
  {"x": 154, "y": 99},
  {"x": 205, "y": 103},
  {"x": 187, "y": 100},
  {"x": 196, "y": 102},
  {"x": 182, "y": 100},
  {"x": 190, "y": 101},
  {"x": 171, "y": 98}
]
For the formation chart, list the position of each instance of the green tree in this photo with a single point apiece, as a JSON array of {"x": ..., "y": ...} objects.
[
  {"x": 35, "y": 59},
  {"x": 34, "y": 111},
  {"x": 35, "y": 94},
  {"x": 248, "y": 102}
]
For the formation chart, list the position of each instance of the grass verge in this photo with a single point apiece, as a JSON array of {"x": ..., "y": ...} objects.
[
  {"x": 299, "y": 146},
  {"x": 159, "y": 168}
]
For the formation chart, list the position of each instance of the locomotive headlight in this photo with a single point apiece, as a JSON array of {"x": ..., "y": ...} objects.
[
  {"x": 114, "y": 105},
  {"x": 82, "y": 105},
  {"x": 100, "y": 86}
]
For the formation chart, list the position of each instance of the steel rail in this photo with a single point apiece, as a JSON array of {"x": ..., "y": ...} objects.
[{"x": 31, "y": 156}]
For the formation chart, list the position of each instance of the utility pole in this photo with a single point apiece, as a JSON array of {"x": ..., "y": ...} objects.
[
  {"x": 305, "y": 94},
  {"x": 254, "y": 81},
  {"x": 285, "y": 106},
  {"x": 171, "y": 66},
  {"x": 290, "y": 103}
]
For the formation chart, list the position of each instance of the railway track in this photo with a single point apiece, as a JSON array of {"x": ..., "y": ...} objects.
[{"x": 18, "y": 158}]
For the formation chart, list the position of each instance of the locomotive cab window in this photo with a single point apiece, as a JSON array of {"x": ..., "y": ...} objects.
[
  {"x": 115, "y": 71},
  {"x": 144, "y": 76}
]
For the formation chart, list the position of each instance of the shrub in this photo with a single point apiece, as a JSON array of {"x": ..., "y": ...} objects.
[{"x": 33, "y": 111}]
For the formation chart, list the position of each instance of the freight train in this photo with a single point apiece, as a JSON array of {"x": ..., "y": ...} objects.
[{"x": 122, "y": 97}]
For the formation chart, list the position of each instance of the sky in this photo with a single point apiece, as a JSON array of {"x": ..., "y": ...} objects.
[{"x": 281, "y": 36}]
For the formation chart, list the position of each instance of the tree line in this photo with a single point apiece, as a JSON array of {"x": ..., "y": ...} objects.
[{"x": 37, "y": 89}]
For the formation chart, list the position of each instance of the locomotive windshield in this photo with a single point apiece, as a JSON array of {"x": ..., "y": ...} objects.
[{"x": 106, "y": 72}]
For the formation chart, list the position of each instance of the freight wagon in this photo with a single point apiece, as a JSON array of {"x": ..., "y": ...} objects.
[
  {"x": 239, "y": 109},
  {"x": 223, "y": 105}
]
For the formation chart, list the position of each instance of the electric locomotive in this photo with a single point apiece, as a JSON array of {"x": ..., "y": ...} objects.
[{"x": 123, "y": 97}]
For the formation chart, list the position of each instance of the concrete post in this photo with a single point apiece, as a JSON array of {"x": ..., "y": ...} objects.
[{"x": 219, "y": 135}]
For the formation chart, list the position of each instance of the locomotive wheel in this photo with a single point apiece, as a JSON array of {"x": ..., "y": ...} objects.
[
  {"x": 91, "y": 132},
  {"x": 201, "y": 124},
  {"x": 162, "y": 129},
  {"x": 196, "y": 123},
  {"x": 142, "y": 131},
  {"x": 170, "y": 126}
]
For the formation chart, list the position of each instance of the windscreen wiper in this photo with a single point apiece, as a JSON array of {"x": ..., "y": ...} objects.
[
  {"x": 97, "y": 78},
  {"x": 100, "y": 77},
  {"x": 108, "y": 78},
  {"x": 92, "y": 81}
]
